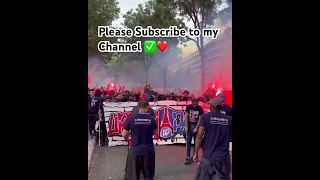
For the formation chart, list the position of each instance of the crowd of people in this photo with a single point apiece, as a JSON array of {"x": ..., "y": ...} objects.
[
  {"x": 211, "y": 131},
  {"x": 112, "y": 94}
]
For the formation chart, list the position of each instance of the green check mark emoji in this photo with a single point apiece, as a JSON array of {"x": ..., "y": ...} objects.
[{"x": 149, "y": 46}]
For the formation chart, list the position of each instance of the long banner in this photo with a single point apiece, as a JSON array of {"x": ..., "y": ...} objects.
[{"x": 169, "y": 116}]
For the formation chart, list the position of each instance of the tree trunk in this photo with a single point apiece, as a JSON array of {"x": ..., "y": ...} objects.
[
  {"x": 202, "y": 62},
  {"x": 165, "y": 79},
  {"x": 203, "y": 80},
  {"x": 147, "y": 75},
  {"x": 116, "y": 75}
]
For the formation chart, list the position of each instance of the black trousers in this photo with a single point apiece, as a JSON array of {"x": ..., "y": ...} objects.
[
  {"x": 103, "y": 131},
  {"x": 140, "y": 164},
  {"x": 214, "y": 169},
  {"x": 92, "y": 123}
]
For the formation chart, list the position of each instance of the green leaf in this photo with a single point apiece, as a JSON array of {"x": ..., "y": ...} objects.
[{"x": 100, "y": 13}]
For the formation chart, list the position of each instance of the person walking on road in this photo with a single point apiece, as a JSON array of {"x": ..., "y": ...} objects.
[
  {"x": 135, "y": 110},
  {"x": 141, "y": 156},
  {"x": 192, "y": 116},
  {"x": 214, "y": 135}
]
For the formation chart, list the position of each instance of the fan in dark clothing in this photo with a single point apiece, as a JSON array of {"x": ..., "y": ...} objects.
[
  {"x": 135, "y": 110},
  {"x": 214, "y": 135},
  {"x": 225, "y": 108},
  {"x": 192, "y": 119},
  {"x": 94, "y": 103},
  {"x": 141, "y": 156},
  {"x": 103, "y": 127},
  {"x": 185, "y": 96}
]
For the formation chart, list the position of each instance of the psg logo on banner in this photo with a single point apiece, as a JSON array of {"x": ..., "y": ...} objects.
[{"x": 165, "y": 132}]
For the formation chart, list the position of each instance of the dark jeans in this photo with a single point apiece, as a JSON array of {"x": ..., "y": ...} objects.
[
  {"x": 189, "y": 136},
  {"x": 140, "y": 164},
  {"x": 92, "y": 123}
]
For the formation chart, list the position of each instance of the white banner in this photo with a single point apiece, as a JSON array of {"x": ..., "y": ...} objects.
[{"x": 168, "y": 114}]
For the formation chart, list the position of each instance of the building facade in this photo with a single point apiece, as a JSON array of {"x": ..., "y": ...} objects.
[{"x": 218, "y": 62}]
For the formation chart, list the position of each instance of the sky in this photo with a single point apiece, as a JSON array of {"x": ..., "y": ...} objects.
[{"x": 126, "y": 5}]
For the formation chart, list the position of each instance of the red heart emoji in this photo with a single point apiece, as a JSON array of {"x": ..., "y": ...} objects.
[{"x": 162, "y": 45}]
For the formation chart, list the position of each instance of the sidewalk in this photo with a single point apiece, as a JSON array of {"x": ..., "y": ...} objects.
[{"x": 91, "y": 147}]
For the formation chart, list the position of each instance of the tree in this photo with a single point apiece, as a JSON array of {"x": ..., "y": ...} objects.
[
  {"x": 114, "y": 64},
  {"x": 202, "y": 14},
  {"x": 100, "y": 13},
  {"x": 157, "y": 15},
  {"x": 166, "y": 61}
]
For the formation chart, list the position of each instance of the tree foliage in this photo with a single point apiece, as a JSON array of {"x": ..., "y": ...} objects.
[
  {"x": 115, "y": 62},
  {"x": 157, "y": 15},
  {"x": 100, "y": 13}
]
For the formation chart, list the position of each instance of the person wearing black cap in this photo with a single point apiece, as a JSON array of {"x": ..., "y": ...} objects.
[
  {"x": 213, "y": 135},
  {"x": 141, "y": 156},
  {"x": 192, "y": 118},
  {"x": 225, "y": 109}
]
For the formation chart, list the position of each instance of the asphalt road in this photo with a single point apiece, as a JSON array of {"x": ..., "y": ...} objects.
[{"x": 109, "y": 162}]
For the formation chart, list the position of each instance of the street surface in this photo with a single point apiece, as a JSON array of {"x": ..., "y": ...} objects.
[{"x": 109, "y": 163}]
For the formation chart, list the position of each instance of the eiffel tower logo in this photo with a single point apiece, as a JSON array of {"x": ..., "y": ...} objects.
[{"x": 166, "y": 129}]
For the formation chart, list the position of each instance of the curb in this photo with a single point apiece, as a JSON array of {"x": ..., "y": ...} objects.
[{"x": 91, "y": 147}]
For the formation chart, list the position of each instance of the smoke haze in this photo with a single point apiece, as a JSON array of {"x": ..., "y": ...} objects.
[{"x": 170, "y": 71}]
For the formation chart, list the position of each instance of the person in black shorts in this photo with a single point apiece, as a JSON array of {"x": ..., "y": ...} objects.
[
  {"x": 213, "y": 135},
  {"x": 141, "y": 156}
]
